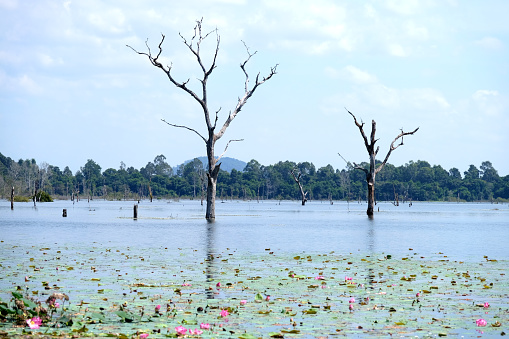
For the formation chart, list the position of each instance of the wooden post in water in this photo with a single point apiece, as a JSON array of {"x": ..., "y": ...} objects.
[
  {"x": 64, "y": 213},
  {"x": 135, "y": 212},
  {"x": 12, "y": 198}
]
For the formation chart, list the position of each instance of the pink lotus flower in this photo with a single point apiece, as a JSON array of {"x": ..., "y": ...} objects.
[
  {"x": 224, "y": 313},
  {"x": 195, "y": 332},
  {"x": 350, "y": 307},
  {"x": 57, "y": 305},
  {"x": 267, "y": 298},
  {"x": 352, "y": 300},
  {"x": 218, "y": 284},
  {"x": 481, "y": 322},
  {"x": 320, "y": 277},
  {"x": 204, "y": 326},
  {"x": 34, "y": 323},
  {"x": 181, "y": 330},
  {"x": 143, "y": 336},
  {"x": 243, "y": 302},
  {"x": 348, "y": 278},
  {"x": 486, "y": 305},
  {"x": 417, "y": 294},
  {"x": 158, "y": 307},
  {"x": 186, "y": 284}
]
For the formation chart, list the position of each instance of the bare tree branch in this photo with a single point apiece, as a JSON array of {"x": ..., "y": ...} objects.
[
  {"x": 167, "y": 70},
  {"x": 297, "y": 180},
  {"x": 196, "y": 52},
  {"x": 188, "y": 128},
  {"x": 354, "y": 165},
  {"x": 247, "y": 94},
  {"x": 347, "y": 162},
  {"x": 361, "y": 129},
  {"x": 359, "y": 167},
  {"x": 217, "y": 117},
  {"x": 392, "y": 148},
  {"x": 228, "y": 144}
]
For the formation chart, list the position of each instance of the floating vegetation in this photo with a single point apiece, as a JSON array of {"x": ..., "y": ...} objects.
[{"x": 125, "y": 293}]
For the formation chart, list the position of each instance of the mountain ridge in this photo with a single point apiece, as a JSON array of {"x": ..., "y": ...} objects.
[{"x": 227, "y": 164}]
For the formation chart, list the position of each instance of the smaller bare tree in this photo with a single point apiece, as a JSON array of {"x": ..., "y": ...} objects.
[
  {"x": 372, "y": 152},
  {"x": 296, "y": 174}
]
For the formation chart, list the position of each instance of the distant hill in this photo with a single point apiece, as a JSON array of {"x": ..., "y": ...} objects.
[{"x": 227, "y": 164}]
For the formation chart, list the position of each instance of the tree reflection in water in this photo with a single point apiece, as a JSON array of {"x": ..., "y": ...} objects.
[{"x": 210, "y": 262}]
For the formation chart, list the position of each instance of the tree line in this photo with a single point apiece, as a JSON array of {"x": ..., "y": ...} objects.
[{"x": 414, "y": 181}]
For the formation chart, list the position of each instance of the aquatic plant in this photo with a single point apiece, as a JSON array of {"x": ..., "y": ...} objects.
[{"x": 116, "y": 294}]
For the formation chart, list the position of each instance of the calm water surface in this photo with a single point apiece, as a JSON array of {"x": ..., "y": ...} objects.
[{"x": 465, "y": 231}]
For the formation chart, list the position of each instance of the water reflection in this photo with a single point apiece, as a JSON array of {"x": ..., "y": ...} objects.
[
  {"x": 210, "y": 269},
  {"x": 371, "y": 250}
]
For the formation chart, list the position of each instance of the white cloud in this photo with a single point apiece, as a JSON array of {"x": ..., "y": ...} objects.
[
  {"x": 367, "y": 88},
  {"x": 415, "y": 31},
  {"x": 490, "y": 43},
  {"x": 425, "y": 98},
  {"x": 316, "y": 27},
  {"x": 111, "y": 21},
  {"x": 48, "y": 60},
  {"x": 9, "y": 4},
  {"x": 488, "y": 102},
  {"x": 359, "y": 76},
  {"x": 23, "y": 83},
  {"x": 383, "y": 96},
  {"x": 397, "y": 50},
  {"x": 404, "y": 7},
  {"x": 370, "y": 11},
  {"x": 233, "y": 2},
  {"x": 9, "y": 57}
]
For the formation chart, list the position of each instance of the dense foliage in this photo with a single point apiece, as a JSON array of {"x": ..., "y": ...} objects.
[{"x": 412, "y": 181}]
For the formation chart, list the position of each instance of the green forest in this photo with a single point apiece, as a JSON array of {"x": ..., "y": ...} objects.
[{"x": 414, "y": 181}]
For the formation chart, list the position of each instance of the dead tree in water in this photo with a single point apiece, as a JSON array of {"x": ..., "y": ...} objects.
[
  {"x": 297, "y": 180},
  {"x": 212, "y": 136},
  {"x": 396, "y": 197},
  {"x": 36, "y": 188},
  {"x": 373, "y": 169}
]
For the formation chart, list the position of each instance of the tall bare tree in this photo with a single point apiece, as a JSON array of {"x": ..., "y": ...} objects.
[
  {"x": 212, "y": 136},
  {"x": 296, "y": 174},
  {"x": 370, "y": 147}
]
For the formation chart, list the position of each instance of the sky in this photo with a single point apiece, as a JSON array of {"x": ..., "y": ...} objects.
[{"x": 71, "y": 90}]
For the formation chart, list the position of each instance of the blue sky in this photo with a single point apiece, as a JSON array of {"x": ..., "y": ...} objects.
[{"x": 70, "y": 89}]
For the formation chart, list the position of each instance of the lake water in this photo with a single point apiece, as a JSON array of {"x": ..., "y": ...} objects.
[
  {"x": 456, "y": 254},
  {"x": 464, "y": 231}
]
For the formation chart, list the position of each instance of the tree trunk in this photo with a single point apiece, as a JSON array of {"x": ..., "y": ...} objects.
[
  {"x": 12, "y": 198},
  {"x": 303, "y": 196},
  {"x": 212, "y": 174},
  {"x": 36, "y": 190},
  {"x": 211, "y": 198},
  {"x": 371, "y": 197},
  {"x": 370, "y": 178}
]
